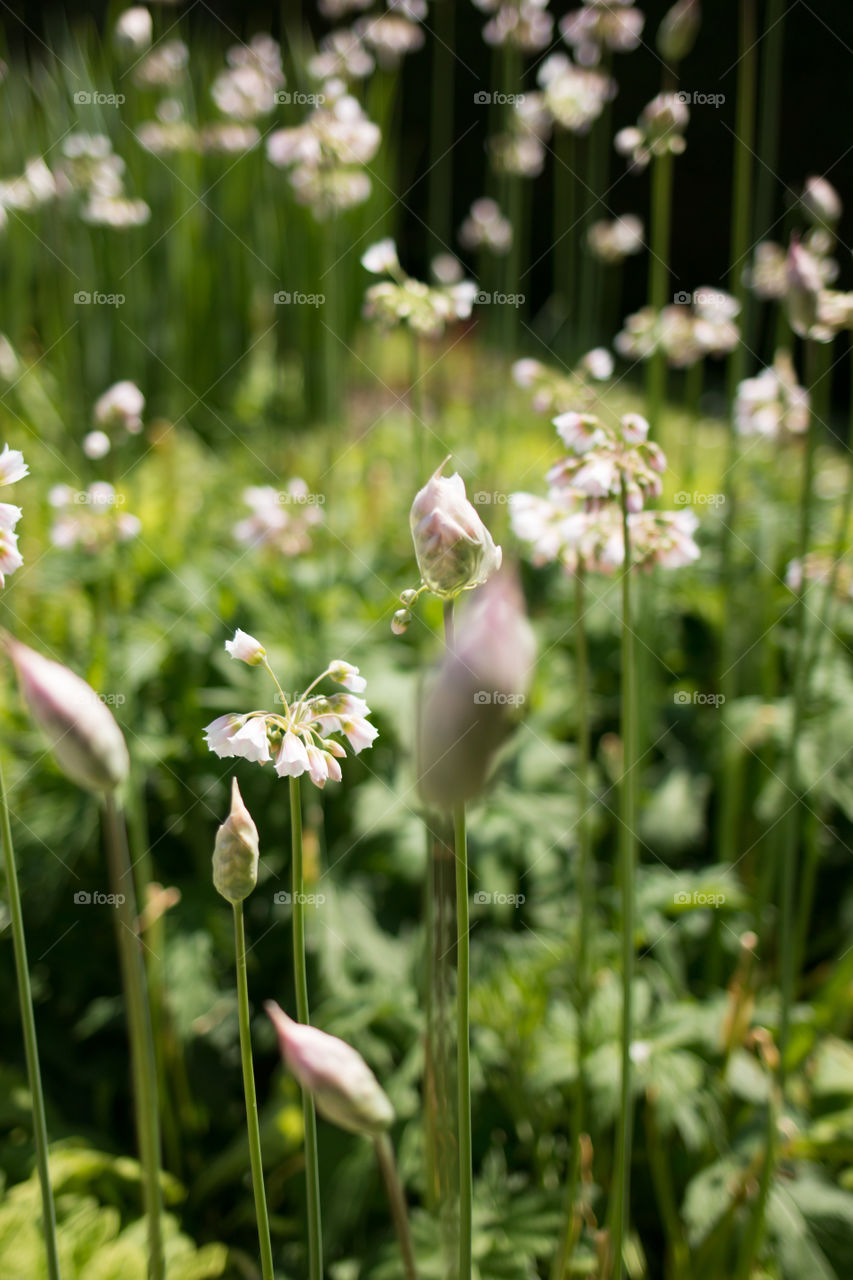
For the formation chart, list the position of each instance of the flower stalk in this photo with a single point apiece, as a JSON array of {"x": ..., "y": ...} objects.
[{"x": 396, "y": 1202}]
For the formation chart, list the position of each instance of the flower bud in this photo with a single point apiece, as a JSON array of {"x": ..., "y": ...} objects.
[
  {"x": 468, "y": 705},
  {"x": 804, "y": 287},
  {"x": 235, "y": 853},
  {"x": 454, "y": 549},
  {"x": 401, "y": 621},
  {"x": 678, "y": 30},
  {"x": 344, "y": 1089},
  {"x": 80, "y": 729},
  {"x": 820, "y": 202}
]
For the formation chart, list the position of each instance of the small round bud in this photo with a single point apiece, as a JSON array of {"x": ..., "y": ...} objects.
[
  {"x": 235, "y": 853},
  {"x": 408, "y": 597},
  {"x": 400, "y": 622}
]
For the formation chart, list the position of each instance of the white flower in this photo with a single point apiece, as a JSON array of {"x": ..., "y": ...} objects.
[
  {"x": 292, "y": 758},
  {"x": 381, "y": 258},
  {"x": 246, "y": 648},
  {"x": 133, "y": 29},
  {"x": 12, "y": 465},
  {"x": 347, "y": 675},
  {"x": 96, "y": 444},
  {"x": 121, "y": 405}
]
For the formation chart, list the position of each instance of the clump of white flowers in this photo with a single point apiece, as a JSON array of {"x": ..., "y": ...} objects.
[
  {"x": 520, "y": 149},
  {"x": 659, "y": 130},
  {"x": 602, "y": 24},
  {"x": 425, "y": 309},
  {"x": 90, "y": 519},
  {"x": 685, "y": 332},
  {"x": 772, "y": 404},
  {"x": 486, "y": 228},
  {"x": 164, "y": 67},
  {"x": 342, "y": 55},
  {"x": 12, "y": 469},
  {"x": 526, "y": 24},
  {"x": 280, "y": 519},
  {"x": 394, "y": 34},
  {"x": 303, "y": 734},
  {"x": 613, "y": 241},
  {"x": 324, "y": 155},
  {"x": 553, "y": 391},
  {"x": 247, "y": 88},
  {"x": 574, "y": 96}
]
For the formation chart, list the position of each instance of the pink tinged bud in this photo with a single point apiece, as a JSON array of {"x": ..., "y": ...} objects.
[
  {"x": 454, "y": 549},
  {"x": 246, "y": 648},
  {"x": 292, "y": 758},
  {"x": 235, "y": 853},
  {"x": 344, "y": 1089},
  {"x": 470, "y": 703},
  {"x": 80, "y": 729}
]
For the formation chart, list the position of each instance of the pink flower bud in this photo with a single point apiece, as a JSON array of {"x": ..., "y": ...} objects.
[
  {"x": 80, "y": 729},
  {"x": 455, "y": 550},
  {"x": 344, "y": 1089},
  {"x": 235, "y": 853}
]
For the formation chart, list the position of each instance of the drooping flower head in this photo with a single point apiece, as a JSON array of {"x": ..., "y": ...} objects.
[
  {"x": 772, "y": 404},
  {"x": 280, "y": 519},
  {"x": 659, "y": 130},
  {"x": 574, "y": 96},
  {"x": 304, "y": 735},
  {"x": 604, "y": 458},
  {"x": 425, "y": 309},
  {"x": 613, "y": 241},
  {"x": 344, "y": 1089},
  {"x": 602, "y": 24},
  {"x": 12, "y": 468}
]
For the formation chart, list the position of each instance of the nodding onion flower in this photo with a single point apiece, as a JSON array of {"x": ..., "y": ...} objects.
[
  {"x": 660, "y": 129},
  {"x": 772, "y": 404},
  {"x": 425, "y": 309},
  {"x": 304, "y": 735},
  {"x": 12, "y": 468}
]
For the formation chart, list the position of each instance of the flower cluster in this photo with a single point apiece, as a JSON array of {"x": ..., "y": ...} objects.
[
  {"x": 325, "y": 154},
  {"x": 164, "y": 67},
  {"x": 684, "y": 333},
  {"x": 342, "y": 55},
  {"x": 304, "y": 735},
  {"x": 602, "y": 24},
  {"x": 246, "y": 89},
  {"x": 523, "y": 23},
  {"x": 486, "y": 228},
  {"x": 426, "y": 309},
  {"x": 818, "y": 566},
  {"x": 394, "y": 34},
  {"x": 279, "y": 520},
  {"x": 772, "y": 404},
  {"x": 119, "y": 408},
  {"x": 603, "y": 459},
  {"x": 659, "y": 130},
  {"x": 12, "y": 469},
  {"x": 813, "y": 310},
  {"x": 574, "y": 96},
  {"x": 90, "y": 519},
  {"x": 613, "y": 241},
  {"x": 553, "y": 392},
  {"x": 520, "y": 149}
]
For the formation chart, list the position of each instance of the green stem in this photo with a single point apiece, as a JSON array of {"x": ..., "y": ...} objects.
[
  {"x": 441, "y": 128},
  {"x": 138, "y": 1011},
  {"x": 416, "y": 408},
  {"x": 28, "y": 1023},
  {"x": 791, "y": 826},
  {"x": 679, "y": 1254},
  {"x": 570, "y": 1231},
  {"x": 463, "y": 1037},
  {"x": 312, "y": 1167},
  {"x": 693, "y": 396},
  {"x": 662, "y": 173},
  {"x": 768, "y": 133},
  {"x": 255, "y": 1155},
  {"x": 396, "y": 1202},
  {"x": 621, "y": 1212},
  {"x": 565, "y": 232},
  {"x": 744, "y": 149}
]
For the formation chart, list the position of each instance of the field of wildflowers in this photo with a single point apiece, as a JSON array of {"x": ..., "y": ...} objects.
[{"x": 426, "y": 777}]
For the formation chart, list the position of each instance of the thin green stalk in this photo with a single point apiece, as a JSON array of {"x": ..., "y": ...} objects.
[
  {"x": 565, "y": 233},
  {"x": 463, "y": 965},
  {"x": 662, "y": 174},
  {"x": 28, "y": 1024},
  {"x": 138, "y": 1012},
  {"x": 791, "y": 825},
  {"x": 396, "y": 1202},
  {"x": 677, "y": 1248},
  {"x": 312, "y": 1166},
  {"x": 628, "y": 844},
  {"x": 255, "y": 1156},
  {"x": 570, "y": 1232},
  {"x": 772, "y": 47},
  {"x": 416, "y": 408},
  {"x": 692, "y": 396},
  {"x": 441, "y": 127}
]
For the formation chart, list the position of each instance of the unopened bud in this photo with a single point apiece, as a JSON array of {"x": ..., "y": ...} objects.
[
  {"x": 408, "y": 597},
  {"x": 804, "y": 287},
  {"x": 80, "y": 729},
  {"x": 344, "y": 1089},
  {"x": 235, "y": 853},
  {"x": 469, "y": 704},
  {"x": 821, "y": 202},
  {"x": 678, "y": 30},
  {"x": 455, "y": 550},
  {"x": 400, "y": 622}
]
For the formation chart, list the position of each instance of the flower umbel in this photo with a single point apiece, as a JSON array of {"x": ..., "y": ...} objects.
[{"x": 302, "y": 737}]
